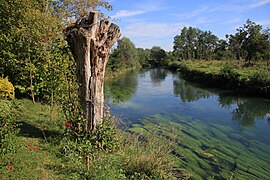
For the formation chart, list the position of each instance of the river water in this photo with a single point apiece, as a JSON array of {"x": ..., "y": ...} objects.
[{"x": 222, "y": 135}]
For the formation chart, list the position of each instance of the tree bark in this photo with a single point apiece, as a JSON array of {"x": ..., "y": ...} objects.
[{"x": 90, "y": 43}]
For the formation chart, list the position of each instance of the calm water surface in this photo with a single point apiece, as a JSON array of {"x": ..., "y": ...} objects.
[{"x": 223, "y": 135}]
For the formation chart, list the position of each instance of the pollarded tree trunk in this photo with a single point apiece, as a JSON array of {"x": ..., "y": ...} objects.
[{"x": 90, "y": 43}]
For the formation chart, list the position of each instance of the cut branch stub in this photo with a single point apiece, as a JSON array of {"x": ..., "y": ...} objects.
[{"x": 90, "y": 45}]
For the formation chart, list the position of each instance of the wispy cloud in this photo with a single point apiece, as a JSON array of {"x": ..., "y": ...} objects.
[
  {"x": 126, "y": 13},
  {"x": 264, "y": 22},
  {"x": 229, "y": 7},
  {"x": 153, "y": 30},
  {"x": 232, "y": 21},
  {"x": 259, "y": 3},
  {"x": 141, "y": 8},
  {"x": 194, "y": 13}
]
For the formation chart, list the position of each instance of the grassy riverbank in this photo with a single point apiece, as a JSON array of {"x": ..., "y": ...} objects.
[
  {"x": 40, "y": 149},
  {"x": 254, "y": 80}
]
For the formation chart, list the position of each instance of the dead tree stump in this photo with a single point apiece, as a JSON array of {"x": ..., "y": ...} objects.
[{"x": 90, "y": 43}]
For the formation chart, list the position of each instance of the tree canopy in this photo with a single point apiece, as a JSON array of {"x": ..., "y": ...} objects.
[
  {"x": 250, "y": 43},
  {"x": 34, "y": 55}
]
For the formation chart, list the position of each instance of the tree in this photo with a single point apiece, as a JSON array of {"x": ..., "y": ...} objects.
[
  {"x": 24, "y": 53},
  {"x": 76, "y": 9},
  {"x": 143, "y": 56},
  {"x": 158, "y": 56},
  {"x": 90, "y": 45},
  {"x": 222, "y": 51},
  {"x": 125, "y": 55},
  {"x": 193, "y": 43},
  {"x": 250, "y": 42}
]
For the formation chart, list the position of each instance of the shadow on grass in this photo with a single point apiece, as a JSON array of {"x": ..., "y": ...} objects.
[
  {"x": 70, "y": 171},
  {"x": 28, "y": 130}
]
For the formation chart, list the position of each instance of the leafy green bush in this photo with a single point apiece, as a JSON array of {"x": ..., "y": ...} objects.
[
  {"x": 78, "y": 146},
  {"x": 227, "y": 70},
  {"x": 7, "y": 127},
  {"x": 6, "y": 89},
  {"x": 262, "y": 75}
]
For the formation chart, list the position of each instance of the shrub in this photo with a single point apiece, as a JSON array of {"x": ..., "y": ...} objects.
[
  {"x": 6, "y": 89},
  {"x": 227, "y": 70},
  {"x": 84, "y": 147},
  {"x": 7, "y": 127}
]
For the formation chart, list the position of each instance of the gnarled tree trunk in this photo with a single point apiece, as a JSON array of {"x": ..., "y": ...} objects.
[{"x": 90, "y": 43}]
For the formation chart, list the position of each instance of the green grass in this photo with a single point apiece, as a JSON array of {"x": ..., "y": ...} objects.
[
  {"x": 236, "y": 75},
  {"x": 39, "y": 152}
]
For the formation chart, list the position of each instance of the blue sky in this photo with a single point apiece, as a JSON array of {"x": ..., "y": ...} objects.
[{"x": 155, "y": 22}]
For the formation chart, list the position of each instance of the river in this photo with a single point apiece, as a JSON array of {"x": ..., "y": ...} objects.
[{"x": 222, "y": 135}]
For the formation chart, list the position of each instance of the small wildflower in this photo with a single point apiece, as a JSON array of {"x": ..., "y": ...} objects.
[
  {"x": 30, "y": 148},
  {"x": 9, "y": 167},
  {"x": 37, "y": 148},
  {"x": 67, "y": 124}
]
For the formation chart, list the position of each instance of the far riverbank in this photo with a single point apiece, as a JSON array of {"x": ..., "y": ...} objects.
[{"x": 248, "y": 80}]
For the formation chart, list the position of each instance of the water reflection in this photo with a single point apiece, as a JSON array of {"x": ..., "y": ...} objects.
[
  {"x": 161, "y": 87},
  {"x": 158, "y": 75},
  {"x": 248, "y": 111},
  {"x": 121, "y": 89},
  {"x": 245, "y": 110},
  {"x": 187, "y": 92}
]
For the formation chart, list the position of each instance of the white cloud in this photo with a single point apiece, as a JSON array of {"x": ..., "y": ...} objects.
[
  {"x": 260, "y": 3},
  {"x": 264, "y": 22},
  {"x": 194, "y": 13},
  {"x": 232, "y": 21},
  {"x": 126, "y": 13},
  {"x": 156, "y": 30}
]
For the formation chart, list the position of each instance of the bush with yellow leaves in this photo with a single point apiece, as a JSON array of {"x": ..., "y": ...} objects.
[{"x": 6, "y": 89}]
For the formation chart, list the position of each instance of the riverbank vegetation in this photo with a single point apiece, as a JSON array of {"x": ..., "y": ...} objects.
[
  {"x": 241, "y": 62},
  {"x": 43, "y": 148},
  {"x": 42, "y": 138},
  {"x": 251, "y": 80},
  {"x": 46, "y": 140}
]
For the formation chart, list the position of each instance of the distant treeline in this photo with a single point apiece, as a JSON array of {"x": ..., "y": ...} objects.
[
  {"x": 126, "y": 55},
  {"x": 250, "y": 43}
]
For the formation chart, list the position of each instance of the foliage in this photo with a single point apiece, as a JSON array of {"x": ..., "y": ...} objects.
[
  {"x": 124, "y": 56},
  {"x": 8, "y": 129},
  {"x": 28, "y": 54},
  {"x": 143, "y": 56},
  {"x": 193, "y": 43},
  {"x": 158, "y": 57},
  {"x": 73, "y": 10},
  {"x": 33, "y": 53},
  {"x": 229, "y": 74},
  {"x": 6, "y": 89},
  {"x": 83, "y": 145},
  {"x": 250, "y": 42}
]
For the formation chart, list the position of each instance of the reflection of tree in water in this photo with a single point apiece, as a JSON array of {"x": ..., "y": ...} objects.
[
  {"x": 158, "y": 75},
  {"x": 187, "y": 92},
  {"x": 122, "y": 89},
  {"x": 245, "y": 110}
]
